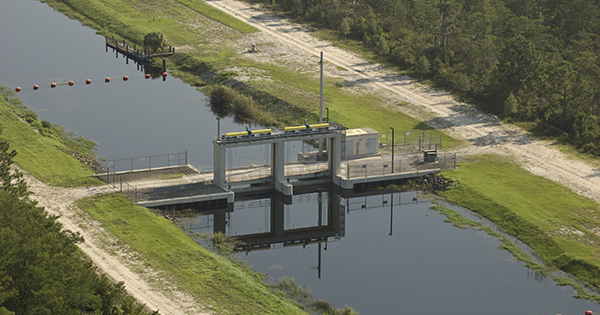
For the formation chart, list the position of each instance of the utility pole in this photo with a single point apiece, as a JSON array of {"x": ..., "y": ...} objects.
[{"x": 321, "y": 108}]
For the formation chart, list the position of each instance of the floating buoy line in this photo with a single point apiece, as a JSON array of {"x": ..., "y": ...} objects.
[{"x": 89, "y": 81}]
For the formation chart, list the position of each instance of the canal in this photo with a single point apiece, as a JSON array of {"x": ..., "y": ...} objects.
[{"x": 362, "y": 252}]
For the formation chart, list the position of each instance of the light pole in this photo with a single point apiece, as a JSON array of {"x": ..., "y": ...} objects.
[
  {"x": 327, "y": 108},
  {"x": 392, "y": 149},
  {"x": 218, "y": 127}
]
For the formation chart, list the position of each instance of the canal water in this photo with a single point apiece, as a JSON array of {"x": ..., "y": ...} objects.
[
  {"x": 361, "y": 252},
  {"x": 384, "y": 253},
  {"x": 137, "y": 118}
]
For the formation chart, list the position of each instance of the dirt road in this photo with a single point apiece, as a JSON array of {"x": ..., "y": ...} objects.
[
  {"x": 110, "y": 254},
  {"x": 283, "y": 42}
]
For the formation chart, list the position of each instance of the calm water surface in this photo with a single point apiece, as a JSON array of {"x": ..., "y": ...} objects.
[
  {"x": 424, "y": 266},
  {"x": 127, "y": 119},
  {"x": 404, "y": 260}
]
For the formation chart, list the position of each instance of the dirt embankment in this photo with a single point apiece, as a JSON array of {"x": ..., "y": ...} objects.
[{"x": 110, "y": 254}]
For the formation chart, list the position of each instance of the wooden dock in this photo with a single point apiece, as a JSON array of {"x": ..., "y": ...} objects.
[{"x": 139, "y": 56}]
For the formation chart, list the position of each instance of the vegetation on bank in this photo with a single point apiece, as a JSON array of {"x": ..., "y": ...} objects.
[
  {"x": 533, "y": 61},
  {"x": 45, "y": 150},
  {"x": 506, "y": 244},
  {"x": 42, "y": 271},
  {"x": 215, "y": 281},
  {"x": 562, "y": 234},
  {"x": 559, "y": 225},
  {"x": 288, "y": 98}
]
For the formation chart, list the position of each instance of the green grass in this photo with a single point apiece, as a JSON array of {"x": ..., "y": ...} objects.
[
  {"x": 556, "y": 223},
  {"x": 42, "y": 156},
  {"x": 133, "y": 19},
  {"x": 213, "y": 279},
  {"x": 350, "y": 110},
  {"x": 217, "y": 15},
  {"x": 506, "y": 244}
]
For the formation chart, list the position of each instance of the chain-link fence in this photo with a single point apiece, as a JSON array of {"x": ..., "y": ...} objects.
[
  {"x": 402, "y": 164},
  {"x": 412, "y": 140},
  {"x": 143, "y": 162}
]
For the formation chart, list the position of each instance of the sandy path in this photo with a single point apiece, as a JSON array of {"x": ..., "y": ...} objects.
[
  {"x": 293, "y": 44},
  {"x": 113, "y": 257}
]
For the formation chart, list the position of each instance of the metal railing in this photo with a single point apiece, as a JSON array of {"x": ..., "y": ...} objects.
[
  {"x": 143, "y": 163},
  {"x": 176, "y": 191},
  {"x": 401, "y": 165}
]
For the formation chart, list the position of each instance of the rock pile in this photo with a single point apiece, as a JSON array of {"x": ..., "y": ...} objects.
[
  {"x": 432, "y": 182},
  {"x": 90, "y": 162}
]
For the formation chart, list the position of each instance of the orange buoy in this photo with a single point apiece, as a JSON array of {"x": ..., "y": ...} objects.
[
  {"x": 71, "y": 83},
  {"x": 164, "y": 74},
  {"x": 107, "y": 80},
  {"x": 88, "y": 81},
  {"x": 52, "y": 85},
  {"x": 147, "y": 75},
  {"x": 18, "y": 89},
  {"x": 588, "y": 313},
  {"x": 35, "y": 87},
  {"x": 125, "y": 78}
]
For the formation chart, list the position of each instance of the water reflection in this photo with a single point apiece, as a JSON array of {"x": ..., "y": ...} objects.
[{"x": 380, "y": 252}]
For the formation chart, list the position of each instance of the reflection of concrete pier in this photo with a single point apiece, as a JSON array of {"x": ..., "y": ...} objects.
[{"x": 331, "y": 228}]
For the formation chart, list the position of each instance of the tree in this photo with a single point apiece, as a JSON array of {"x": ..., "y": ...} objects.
[
  {"x": 510, "y": 106},
  {"x": 345, "y": 27},
  {"x": 422, "y": 66},
  {"x": 462, "y": 83},
  {"x": 381, "y": 47},
  {"x": 10, "y": 180},
  {"x": 155, "y": 40}
]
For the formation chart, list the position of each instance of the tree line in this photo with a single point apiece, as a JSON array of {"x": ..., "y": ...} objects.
[
  {"x": 532, "y": 61},
  {"x": 42, "y": 271}
]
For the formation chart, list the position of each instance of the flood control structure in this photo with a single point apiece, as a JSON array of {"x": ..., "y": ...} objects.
[{"x": 277, "y": 139}]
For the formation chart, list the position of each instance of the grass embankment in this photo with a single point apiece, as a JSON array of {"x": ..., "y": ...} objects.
[
  {"x": 213, "y": 279},
  {"x": 40, "y": 150},
  {"x": 559, "y": 225},
  {"x": 183, "y": 24}
]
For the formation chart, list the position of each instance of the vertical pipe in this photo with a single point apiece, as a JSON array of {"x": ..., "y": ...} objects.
[
  {"x": 392, "y": 149},
  {"x": 321, "y": 106}
]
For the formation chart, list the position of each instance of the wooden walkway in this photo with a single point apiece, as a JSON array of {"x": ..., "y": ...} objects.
[{"x": 134, "y": 53}]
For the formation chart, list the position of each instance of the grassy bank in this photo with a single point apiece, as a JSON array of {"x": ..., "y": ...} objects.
[
  {"x": 217, "y": 282},
  {"x": 40, "y": 149},
  {"x": 559, "y": 225},
  {"x": 209, "y": 51}
]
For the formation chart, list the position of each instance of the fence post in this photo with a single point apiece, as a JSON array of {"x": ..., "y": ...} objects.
[
  {"x": 107, "y": 174},
  {"x": 454, "y": 160},
  {"x": 121, "y": 180},
  {"x": 149, "y": 163},
  {"x": 131, "y": 164},
  {"x": 348, "y": 172},
  {"x": 186, "y": 160},
  {"x": 135, "y": 194}
]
